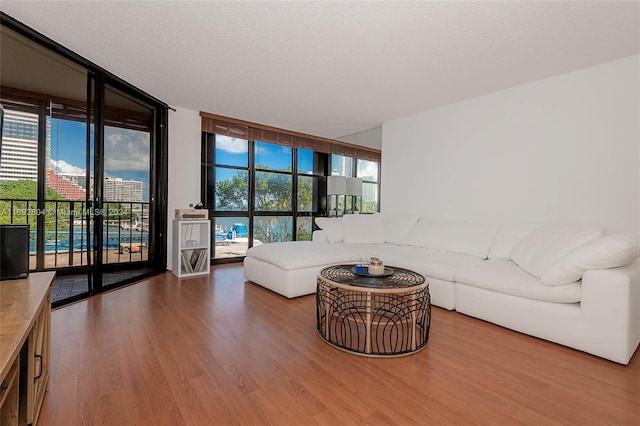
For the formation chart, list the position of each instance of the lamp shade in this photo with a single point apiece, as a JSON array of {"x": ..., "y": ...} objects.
[
  {"x": 354, "y": 186},
  {"x": 336, "y": 185}
]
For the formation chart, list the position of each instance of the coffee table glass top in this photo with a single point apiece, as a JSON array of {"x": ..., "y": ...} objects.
[{"x": 400, "y": 278}]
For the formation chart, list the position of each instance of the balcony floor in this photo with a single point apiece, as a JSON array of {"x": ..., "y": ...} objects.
[{"x": 67, "y": 286}]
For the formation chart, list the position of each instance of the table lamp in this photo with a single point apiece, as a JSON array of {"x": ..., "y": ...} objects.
[
  {"x": 336, "y": 185},
  {"x": 354, "y": 190}
]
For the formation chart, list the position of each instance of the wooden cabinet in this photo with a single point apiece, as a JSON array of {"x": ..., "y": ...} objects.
[
  {"x": 191, "y": 247},
  {"x": 25, "y": 332},
  {"x": 39, "y": 345}
]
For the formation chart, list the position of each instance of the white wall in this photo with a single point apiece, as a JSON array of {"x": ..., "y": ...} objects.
[
  {"x": 184, "y": 166},
  {"x": 567, "y": 147}
]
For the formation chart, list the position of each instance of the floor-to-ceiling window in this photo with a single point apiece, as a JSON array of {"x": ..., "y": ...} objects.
[
  {"x": 311, "y": 167},
  {"x": 273, "y": 193},
  {"x": 369, "y": 172},
  {"x": 264, "y": 185},
  {"x": 81, "y": 163},
  {"x": 226, "y": 174}
]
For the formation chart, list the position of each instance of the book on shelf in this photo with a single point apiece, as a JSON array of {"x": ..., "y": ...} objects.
[
  {"x": 186, "y": 264},
  {"x": 201, "y": 265},
  {"x": 193, "y": 260}
]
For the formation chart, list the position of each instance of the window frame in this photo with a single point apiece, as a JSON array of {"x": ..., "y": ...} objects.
[{"x": 364, "y": 182}]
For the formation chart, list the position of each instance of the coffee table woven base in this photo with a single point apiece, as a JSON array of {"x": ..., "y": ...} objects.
[{"x": 382, "y": 317}]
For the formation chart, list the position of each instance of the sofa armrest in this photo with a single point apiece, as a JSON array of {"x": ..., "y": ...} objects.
[
  {"x": 611, "y": 299},
  {"x": 319, "y": 236}
]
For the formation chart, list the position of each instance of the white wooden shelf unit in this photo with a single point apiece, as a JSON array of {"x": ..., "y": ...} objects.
[{"x": 191, "y": 247}]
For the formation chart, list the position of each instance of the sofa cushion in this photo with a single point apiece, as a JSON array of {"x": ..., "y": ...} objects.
[
  {"x": 319, "y": 236},
  {"x": 397, "y": 227},
  {"x": 507, "y": 237},
  {"x": 456, "y": 237},
  {"x": 428, "y": 262},
  {"x": 333, "y": 227},
  {"x": 504, "y": 276},
  {"x": 362, "y": 229},
  {"x": 608, "y": 252},
  {"x": 291, "y": 255},
  {"x": 540, "y": 248}
]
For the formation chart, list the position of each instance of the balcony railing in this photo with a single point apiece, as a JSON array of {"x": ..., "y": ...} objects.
[{"x": 69, "y": 230}]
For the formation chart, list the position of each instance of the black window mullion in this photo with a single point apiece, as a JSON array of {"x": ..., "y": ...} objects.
[
  {"x": 204, "y": 166},
  {"x": 41, "y": 187},
  {"x": 98, "y": 182},
  {"x": 294, "y": 193},
  {"x": 252, "y": 190}
]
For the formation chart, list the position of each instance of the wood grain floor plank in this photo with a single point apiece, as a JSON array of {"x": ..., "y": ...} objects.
[{"x": 217, "y": 350}]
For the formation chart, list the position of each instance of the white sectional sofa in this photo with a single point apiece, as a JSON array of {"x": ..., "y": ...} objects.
[{"x": 564, "y": 282}]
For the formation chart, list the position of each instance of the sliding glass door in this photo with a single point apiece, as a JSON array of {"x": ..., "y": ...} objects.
[
  {"x": 82, "y": 162},
  {"x": 125, "y": 169}
]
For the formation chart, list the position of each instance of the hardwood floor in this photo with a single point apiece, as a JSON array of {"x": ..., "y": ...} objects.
[{"x": 216, "y": 351}]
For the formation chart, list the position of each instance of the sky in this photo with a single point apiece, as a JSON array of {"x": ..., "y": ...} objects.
[
  {"x": 68, "y": 143},
  {"x": 234, "y": 152},
  {"x": 126, "y": 151}
]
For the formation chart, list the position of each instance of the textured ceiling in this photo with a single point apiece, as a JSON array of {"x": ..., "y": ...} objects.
[{"x": 333, "y": 68}]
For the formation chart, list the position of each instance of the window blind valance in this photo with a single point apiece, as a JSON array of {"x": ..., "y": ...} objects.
[
  {"x": 72, "y": 109},
  {"x": 346, "y": 150},
  {"x": 212, "y": 123},
  {"x": 367, "y": 155},
  {"x": 313, "y": 145},
  {"x": 226, "y": 128}
]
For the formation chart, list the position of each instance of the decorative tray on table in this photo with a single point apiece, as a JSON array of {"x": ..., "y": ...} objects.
[{"x": 363, "y": 271}]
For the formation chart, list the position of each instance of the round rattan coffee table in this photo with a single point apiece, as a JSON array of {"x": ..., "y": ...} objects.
[{"x": 373, "y": 316}]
